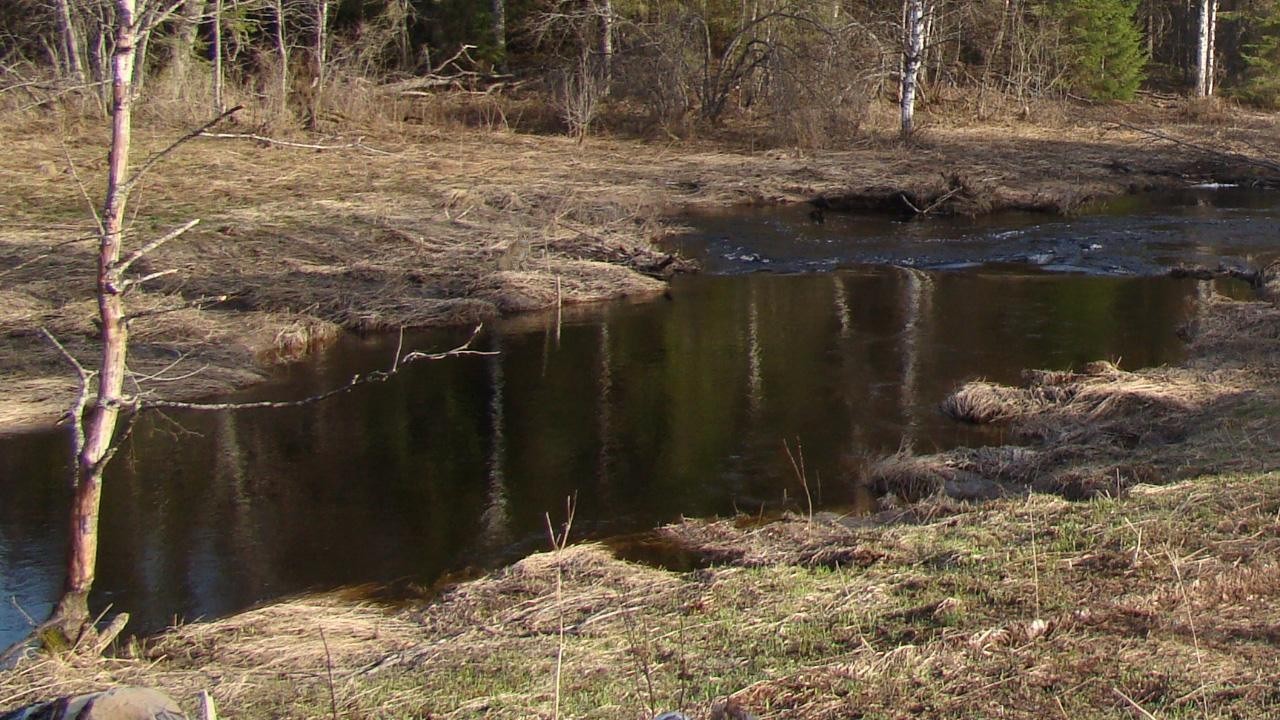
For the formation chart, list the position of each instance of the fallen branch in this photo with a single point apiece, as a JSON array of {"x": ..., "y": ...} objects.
[
  {"x": 146, "y": 165},
  {"x": 1246, "y": 159},
  {"x": 358, "y": 144},
  {"x": 377, "y": 376}
]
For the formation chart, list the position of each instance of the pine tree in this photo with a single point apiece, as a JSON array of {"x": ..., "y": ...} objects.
[
  {"x": 1260, "y": 52},
  {"x": 1107, "y": 59}
]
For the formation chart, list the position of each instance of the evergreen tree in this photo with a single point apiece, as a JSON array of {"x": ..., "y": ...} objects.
[
  {"x": 1107, "y": 59},
  {"x": 1260, "y": 52}
]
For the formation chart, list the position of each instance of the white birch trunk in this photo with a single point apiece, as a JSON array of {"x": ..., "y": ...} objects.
[
  {"x": 70, "y": 43},
  {"x": 218, "y": 105},
  {"x": 282, "y": 50},
  {"x": 499, "y": 27},
  {"x": 1204, "y": 52},
  {"x": 913, "y": 14},
  {"x": 605, "y": 49},
  {"x": 321, "y": 56},
  {"x": 1212, "y": 68}
]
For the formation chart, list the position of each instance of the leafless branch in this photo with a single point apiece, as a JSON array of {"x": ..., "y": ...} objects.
[
  {"x": 60, "y": 93},
  {"x": 76, "y": 411},
  {"x": 199, "y": 304},
  {"x": 147, "y": 278},
  {"x": 1256, "y": 162},
  {"x": 158, "y": 17},
  {"x": 377, "y": 376},
  {"x": 84, "y": 192},
  {"x": 358, "y": 144},
  {"x": 141, "y": 252},
  {"x": 151, "y": 161},
  {"x": 157, "y": 377}
]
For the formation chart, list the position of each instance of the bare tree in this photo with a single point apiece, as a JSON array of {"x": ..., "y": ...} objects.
[
  {"x": 604, "y": 46},
  {"x": 94, "y": 438},
  {"x": 282, "y": 53},
  {"x": 218, "y": 105},
  {"x": 499, "y": 29},
  {"x": 70, "y": 43},
  {"x": 320, "y": 56},
  {"x": 913, "y": 31},
  {"x": 1204, "y": 47}
]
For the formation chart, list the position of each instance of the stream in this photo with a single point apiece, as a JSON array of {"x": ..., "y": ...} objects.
[{"x": 643, "y": 412}]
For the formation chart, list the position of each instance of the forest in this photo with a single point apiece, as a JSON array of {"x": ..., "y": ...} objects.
[{"x": 803, "y": 72}]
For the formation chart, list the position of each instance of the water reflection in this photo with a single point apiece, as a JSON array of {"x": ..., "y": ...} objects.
[{"x": 645, "y": 412}]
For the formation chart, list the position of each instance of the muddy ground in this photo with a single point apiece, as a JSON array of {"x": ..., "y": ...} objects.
[{"x": 412, "y": 226}]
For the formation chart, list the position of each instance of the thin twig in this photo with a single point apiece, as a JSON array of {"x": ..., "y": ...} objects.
[
  {"x": 377, "y": 376},
  {"x": 77, "y": 408},
  {"x": 358, "y": 144},
  {"x": 151, "y": 161},
  {"x": 328, "y": 665},
  {"x": 1259, "y": 162},
  {"x": 141, "y": 252},
  {"x": 1135, "y": 705},
  {"x": 84, "y": 193},
  {"x": 798, "y": 468},
  {"x": 558, "y": 544}
]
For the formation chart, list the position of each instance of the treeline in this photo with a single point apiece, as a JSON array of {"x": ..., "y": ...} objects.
[{"x": 808, "y": 67}]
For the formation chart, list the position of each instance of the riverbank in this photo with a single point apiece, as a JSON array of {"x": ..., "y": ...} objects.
[
  {"x": 1164, "y": 602},
  {"x": 420, "y": 227},
  {"x": 1147, "y": 600}
]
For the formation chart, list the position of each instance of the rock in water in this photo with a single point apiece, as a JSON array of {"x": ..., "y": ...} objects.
[{"x": 124, "y": 703}]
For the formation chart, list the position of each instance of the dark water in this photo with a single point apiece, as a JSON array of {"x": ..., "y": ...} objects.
[
  {"x": 644, "y": 412},
  {"x": 1141, "y": 234}
]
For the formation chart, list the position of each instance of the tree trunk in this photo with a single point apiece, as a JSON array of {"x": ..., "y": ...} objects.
[
  {"x": 1204, "y": 48},
  {"x": 321, "y": 56},
  {"x": 218, "y": 105},
  {"x": 282, "y": 50},
  {"x": 70, "y": 43},
  {"x": 71, "y": 614},
  {"x": 499, "y": 30},
  {"x": 912, "y": 53},
  {"x": 1212, "y": 68},
  {"x": 605, "y": 46},
  {"x": 184, "y": 42},
  {"x": 140, "y": 63}
]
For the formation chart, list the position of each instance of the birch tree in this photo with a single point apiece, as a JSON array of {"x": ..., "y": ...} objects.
[
  {"x": 498, "y": 26},
  {"x": 604, "y": 8},
  {"x": 69, "y": 42},
  {"x": 913, "y": 21},
  {"x": 1204, "y": 47},
  {"x": 93, "y": 439}
]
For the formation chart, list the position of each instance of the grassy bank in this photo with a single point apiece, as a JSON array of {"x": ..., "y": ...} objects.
[
  {"x": 410, "y": 225},
  {"x": 1163, "y": 604},
  {"x": 1159, "y": 597}
]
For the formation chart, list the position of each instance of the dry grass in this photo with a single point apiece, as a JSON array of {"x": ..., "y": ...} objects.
[
  {"x": 1102, "y": 430},
  {"x": 419, "y": 225},
  {"x": 1021, "y": 608}
]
